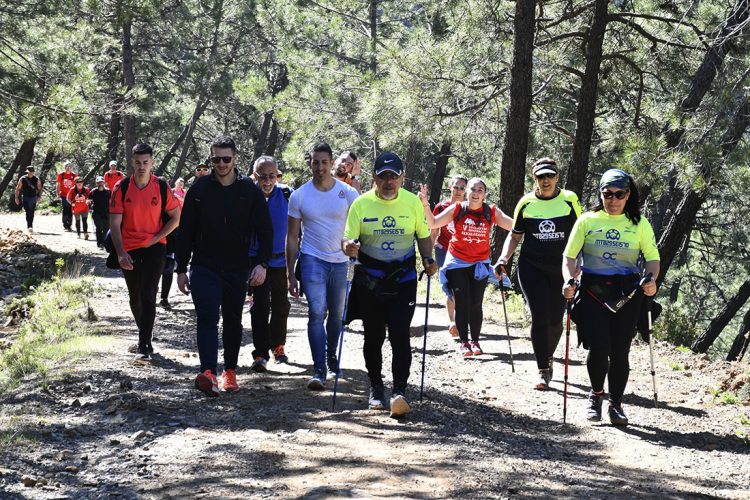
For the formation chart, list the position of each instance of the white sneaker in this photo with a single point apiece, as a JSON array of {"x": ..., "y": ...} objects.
[{"x": 399, "y": 406}]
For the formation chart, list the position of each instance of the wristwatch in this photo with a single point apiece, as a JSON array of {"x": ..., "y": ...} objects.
[{"x": 355, "y": 177}]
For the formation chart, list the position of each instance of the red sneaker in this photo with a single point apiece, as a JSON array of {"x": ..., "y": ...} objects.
[
  {"x": 230, "y": 380},
  {"x": 206, "y": 383},
  {"x": 475, "y": 349},
  {"x": 465, "y": 350}
]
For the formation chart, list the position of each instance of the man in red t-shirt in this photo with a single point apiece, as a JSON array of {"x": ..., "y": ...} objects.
[
  {"x": 78, "y": 197},
  {"x": 64, "y": 185},
  {"x": 442, "y": 236},
  {"x": 139, "y": 237},
  {"x": 112, "y": 176}
]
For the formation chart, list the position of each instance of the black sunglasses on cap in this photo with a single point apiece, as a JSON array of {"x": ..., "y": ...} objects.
[{"x": 548, "y": 175}]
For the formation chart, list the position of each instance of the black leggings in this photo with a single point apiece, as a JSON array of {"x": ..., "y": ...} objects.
[
  {"x": 547, "y": 305},
  {"x": 609, "y": 336},
  {"x": 468, "y": 294},
  {"x": 142, "y": 282}
]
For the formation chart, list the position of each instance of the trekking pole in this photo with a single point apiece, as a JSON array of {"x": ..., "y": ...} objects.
[
  {"x": 349, "y": 276},
  {"x": 507, "y": 328},
  {"x": 569, "y": 307},
  {"x": 424, "y": 345},
  {"x": 647, "y": 279}
]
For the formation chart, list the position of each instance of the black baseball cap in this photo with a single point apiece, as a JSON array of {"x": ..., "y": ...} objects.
[
  {"x": 545, "y": 167},
  {"x": 389, "y": 162}
]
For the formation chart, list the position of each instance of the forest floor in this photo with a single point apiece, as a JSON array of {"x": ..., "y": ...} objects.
[{"x": 102, "y": 426}]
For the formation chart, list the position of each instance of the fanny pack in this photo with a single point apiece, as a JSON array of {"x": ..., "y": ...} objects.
[
  {"x": 611, "y": 292},
  {"x": 389, "y": 284}
]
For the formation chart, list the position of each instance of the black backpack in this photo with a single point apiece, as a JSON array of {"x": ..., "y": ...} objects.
[{"x": 486, "y": 209}]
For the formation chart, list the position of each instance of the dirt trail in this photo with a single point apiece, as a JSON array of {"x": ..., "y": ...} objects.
[{"x": 105, "y": 427}]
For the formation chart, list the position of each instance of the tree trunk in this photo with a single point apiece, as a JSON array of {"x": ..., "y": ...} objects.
[
  {"x": 128, "y": 120},
  {"x": 516, "y": 143},
  {"x": 263, "y": 136},
  {"x": 273, "y": 139},
  {"x": 741, "y": 341},
  {"x": 707, "y": 338},
  {"x": 586, "y": 111},
  {"x": 373, "y": 15},
  {"x": 113, "y": 142},
  {"x": 23, "y": 159},
  {"x": 199, "y": 108},
  {"x": 674, "y": 292},
  {"x": 441, "y": 165},
  {"x": 47, "y": 165}
]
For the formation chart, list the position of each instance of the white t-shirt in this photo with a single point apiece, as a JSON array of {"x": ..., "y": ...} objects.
[{"x": 323, "y": 216}]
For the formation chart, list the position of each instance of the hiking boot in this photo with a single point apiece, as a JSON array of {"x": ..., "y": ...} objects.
[
  {"x": 317, "y": 382},
  {"x": 279, "y": 356},
  {"x": 229, "y": 380},
  {"x": 376, "y": 401},
  {"x": 85, "y": 236},
  {"x": 259, "y": 365},
  {"x": 545, "y": 376},
  {"x": 465, "y": 350},
  {"x": 399, "y": 405},
  {"x": 594, "y": 407},
  {"x": 616, "y": 415},
  {"x": 206, "y": 383},
  {"x": 453, "y": 330},
  {"x": 165, "y": 304},
  {"x": 475, "y": 349}
]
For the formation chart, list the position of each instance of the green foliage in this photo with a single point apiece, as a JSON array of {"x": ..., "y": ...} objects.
[
  {"x": 57, "y": 330},
  {"x": 676, "y": 326}
]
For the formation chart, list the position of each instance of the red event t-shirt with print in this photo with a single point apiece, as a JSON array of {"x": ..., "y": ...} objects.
[
  {"x": 65, "y": 183},
  {"x": 79, "y": 200},
  {"x": 471, "y": 239},
  {"x": 141, "y": 212},
  {"x": 110, "y": 179},
  {"x": 446, "y": 232}
]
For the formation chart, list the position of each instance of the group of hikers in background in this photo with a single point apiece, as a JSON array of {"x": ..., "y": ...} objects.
[{"x": 231, "y": 236}]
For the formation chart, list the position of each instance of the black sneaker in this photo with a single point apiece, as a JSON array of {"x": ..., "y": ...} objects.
[
  {"x": 333, "y": 368},
  {"x": 165, "y": 304},
  {"x": 594, "y": 407},
  {"x": 616, "y": 415},
  {"x": 377, "y": 397}
]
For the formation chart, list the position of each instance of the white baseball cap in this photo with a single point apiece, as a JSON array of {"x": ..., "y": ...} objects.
[{"x": 113, "y": 162}]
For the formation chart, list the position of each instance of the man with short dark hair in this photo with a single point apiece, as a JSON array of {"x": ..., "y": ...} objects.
[
  {"x": 272, "y": 295},
  {"x": 380, "y": 232},
  {"x": 28, "y": 192},
  {"x": 320, "y": 207},
  {"x": 139, "y": 233},
  {"x": 222, "y": 214},
  {"x": 347, "y": 169},
  {"x": 64, "y": 185}
]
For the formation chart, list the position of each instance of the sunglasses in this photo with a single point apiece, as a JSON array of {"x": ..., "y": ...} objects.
[
  {"x": 460, "y": 188},
  {"x": 265, "y": 177},
  {"x": 201, "y": 169},
  {"x": 546, "y": 176},
  {"x": 219, "y": 159},
  {"x": 620, "y": 195}
]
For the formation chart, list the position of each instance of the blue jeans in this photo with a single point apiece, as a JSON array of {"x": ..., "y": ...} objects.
[
  {"x": 440, "y": 254},
  {"x": 325, "y": 287},
  {"x": 212, "y": 290}
]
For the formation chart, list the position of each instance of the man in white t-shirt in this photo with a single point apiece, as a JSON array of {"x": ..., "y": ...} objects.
[{"x": 320, "y": 206}]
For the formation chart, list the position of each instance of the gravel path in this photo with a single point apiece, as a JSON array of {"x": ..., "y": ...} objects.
[{"x": 104, "y": 427}]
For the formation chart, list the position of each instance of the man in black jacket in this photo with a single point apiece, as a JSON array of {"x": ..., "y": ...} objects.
[
  {"x": 222, "y": 214},
  {"x": 100, "y": 207}
]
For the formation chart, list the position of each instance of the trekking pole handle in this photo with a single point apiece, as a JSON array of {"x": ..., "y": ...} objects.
[{"x": 646, "y": 279}]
